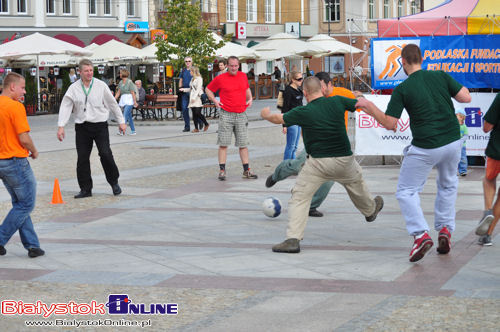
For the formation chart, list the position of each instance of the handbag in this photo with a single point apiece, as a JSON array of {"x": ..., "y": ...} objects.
[{"x": 279, "y": 102}]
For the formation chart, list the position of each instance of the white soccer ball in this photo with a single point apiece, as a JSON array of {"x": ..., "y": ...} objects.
[{"x": 271, "y": 207}]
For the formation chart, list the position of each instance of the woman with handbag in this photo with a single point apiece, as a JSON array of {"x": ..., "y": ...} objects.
[
  {"x": 126, "y": 92},
  {"x": 292, "y": 97},
  {"x": 195, "y": 91}
]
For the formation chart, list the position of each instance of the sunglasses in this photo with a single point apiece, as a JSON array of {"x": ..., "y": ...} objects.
[
  {"x": 299, "y": 79},
  {"x": 187, "y": 61}
]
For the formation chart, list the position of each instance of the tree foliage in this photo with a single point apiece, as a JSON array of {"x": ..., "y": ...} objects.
[{"x": 187, "y": 35}]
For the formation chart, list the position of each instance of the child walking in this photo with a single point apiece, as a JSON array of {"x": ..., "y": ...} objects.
[{"x": 462, "y": 165}]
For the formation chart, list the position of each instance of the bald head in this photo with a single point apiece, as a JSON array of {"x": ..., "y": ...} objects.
[{"x": 311, "y": 85}]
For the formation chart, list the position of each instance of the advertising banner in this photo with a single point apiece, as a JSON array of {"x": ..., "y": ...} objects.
[
  {"x": 136, "y": 27},
  {"x": 473, "y": 60},
  {"x": 372, "y": 139}
]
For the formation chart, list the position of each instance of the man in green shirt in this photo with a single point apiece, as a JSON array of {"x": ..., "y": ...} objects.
[
  {"x": 329, "y": 158},
  {"x": 490, "y": 217},
  {"x": 426, "y": 96}
]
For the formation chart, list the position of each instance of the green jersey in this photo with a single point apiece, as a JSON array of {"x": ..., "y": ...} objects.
[
  {"x": 323, "y": 126},
  {"x": 426, "y": 96},
  {"x": 493, "y": 117}
]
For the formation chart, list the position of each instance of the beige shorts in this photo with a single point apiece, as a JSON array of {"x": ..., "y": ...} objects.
[{"x": 229, "y": 123}]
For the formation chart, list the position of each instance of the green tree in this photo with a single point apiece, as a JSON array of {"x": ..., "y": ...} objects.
[{"x": 187, "y": 35}]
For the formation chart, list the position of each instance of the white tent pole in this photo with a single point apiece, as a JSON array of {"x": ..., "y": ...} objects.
[{"x": 37, "y": 82}]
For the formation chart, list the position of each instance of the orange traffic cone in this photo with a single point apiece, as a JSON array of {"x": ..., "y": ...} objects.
[{"x": 56, "y": 195}]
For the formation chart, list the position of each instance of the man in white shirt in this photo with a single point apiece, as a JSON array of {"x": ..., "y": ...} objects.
[{"x": 91, "y": 101}]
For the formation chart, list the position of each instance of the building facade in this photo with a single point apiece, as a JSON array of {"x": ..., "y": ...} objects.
[{"x": 84, "y": 19}]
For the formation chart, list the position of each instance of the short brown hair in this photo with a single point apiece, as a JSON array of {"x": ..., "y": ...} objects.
[
  {"x": 311, "y": 85},
  {"x": 11, "y": 78},
  {"x": 412, "y": 54}
]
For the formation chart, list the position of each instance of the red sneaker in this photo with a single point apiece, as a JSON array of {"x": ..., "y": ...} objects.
[
  {"x": 421, "y": 246},
  {"x": 444, "y": 240}
]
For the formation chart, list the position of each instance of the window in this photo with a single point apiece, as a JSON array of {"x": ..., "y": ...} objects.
[
  {"x": 107, "y": 7},
  {"x": 92, "y": 8},
  {"x": 50, "y": 7},
  {"x": 269, "y": 67},
  {"x": 66, "y": 6},
  {"x": 251, "y": 11},
  {"x": 400, "y": 8},
  {"x": 332, "y": 10},
  {"x": 4, "y": 6},
  {"x": 21, "y": 6},
  {"x": 413, "y": 7},
  {"x": 371, "y": 9},
  {"x": 131, "y": 8},
  {"x": 231, "y": 10},
  {"x": 269, "y": 11},
  {"x": 386, "y": 8}
]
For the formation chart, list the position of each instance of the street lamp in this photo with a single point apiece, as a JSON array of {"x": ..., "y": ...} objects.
[{"x": 329, "y": 4}]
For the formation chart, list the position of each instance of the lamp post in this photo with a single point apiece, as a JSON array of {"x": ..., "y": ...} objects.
[{"x": 329, "y": 13}]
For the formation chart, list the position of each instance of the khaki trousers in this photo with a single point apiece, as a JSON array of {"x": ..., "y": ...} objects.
[{"x": 316, "y": 171}]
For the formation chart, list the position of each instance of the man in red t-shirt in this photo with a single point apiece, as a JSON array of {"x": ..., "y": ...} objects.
[{"x": 235, "y": 97}]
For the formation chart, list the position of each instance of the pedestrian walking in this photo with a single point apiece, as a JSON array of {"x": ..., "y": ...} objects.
[
  {"x": 195, "y": 91},
  {"x": 426, "y": 96},
  {"x": 329, "y": 159},
  {"x": 235, "y": 98},
  {"x": 16, "y": 146},
  {"x": 126, "y": 93},
  {"x": 292, "y": 97},
  {"x": 491, "y": 212},
  {"x": 91, "y": 102}
]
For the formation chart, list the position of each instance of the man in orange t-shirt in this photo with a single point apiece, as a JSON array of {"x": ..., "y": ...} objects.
[{"x": 15, "y": 171}]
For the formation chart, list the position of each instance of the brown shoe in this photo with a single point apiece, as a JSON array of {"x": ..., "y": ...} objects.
[
  {"x": 249, "y": 175},
  {"x": 379, "y": 204},
  {"x": 290, "y": 246},
  {"x": 206, "y": 127},
  {"x": 195, "y": 131}
]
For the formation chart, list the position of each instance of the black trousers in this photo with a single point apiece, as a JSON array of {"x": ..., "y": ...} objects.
[
  {"x": 198, "y": 118},
  {"x": 86, "y": 134}
]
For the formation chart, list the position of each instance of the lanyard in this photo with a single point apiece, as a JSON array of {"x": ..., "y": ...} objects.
[{"x": 87, "y": 92}]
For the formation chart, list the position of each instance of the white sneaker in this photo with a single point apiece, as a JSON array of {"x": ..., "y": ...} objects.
[
  {"x": 484, "y": 224},
  {"x": 119, "y": 133},
  {"x": 133, "y": 133}
]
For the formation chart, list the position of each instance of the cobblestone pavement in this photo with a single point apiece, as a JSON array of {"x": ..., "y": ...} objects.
[{"x": 178, "y": 235}]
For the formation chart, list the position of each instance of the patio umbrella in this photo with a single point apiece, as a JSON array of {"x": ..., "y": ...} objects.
[
  {"x": 115, "y": 51},
  {"x": 149, "y": 53},
  {"x": 232, "y": 49},
  {"x": 331, "y": 45},
  {"x": 38, "y": 44},
  {"x": 288, "y": 43}
]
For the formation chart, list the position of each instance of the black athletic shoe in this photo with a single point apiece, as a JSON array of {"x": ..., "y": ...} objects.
[
  {"x": 83, "y": 194},
  {"x": 35, "y": 252},
  {"x": 315, "y": 213},
  {"x": 2, "y": 251},
  {"x": 116, "y": 189},
  {"x": 270, "y": 182}
]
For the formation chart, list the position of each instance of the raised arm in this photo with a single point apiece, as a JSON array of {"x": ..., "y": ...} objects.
[
  {"x": 389, "y": 122},
  {"x": 276, "y": 118}
]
